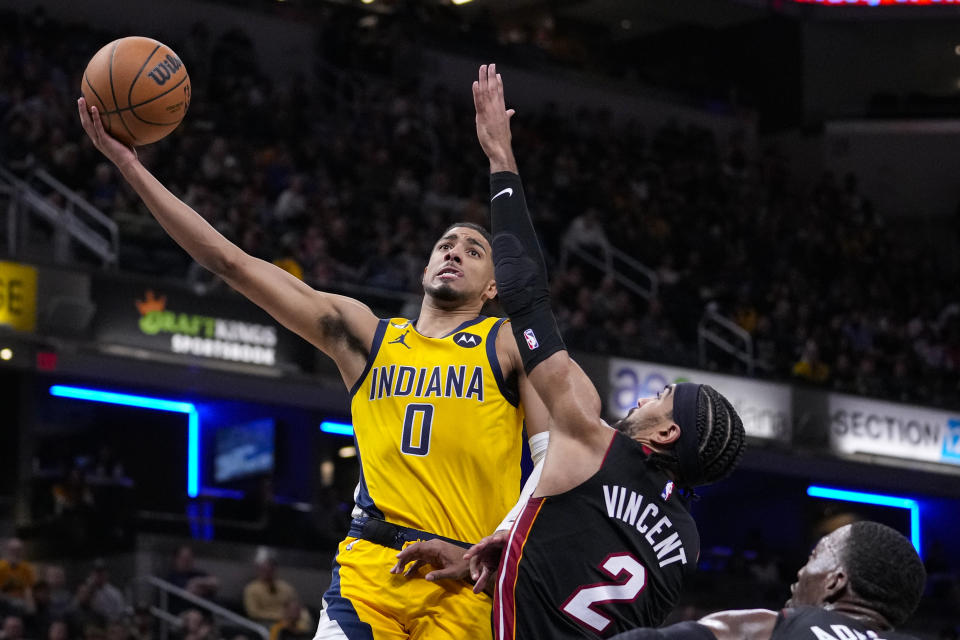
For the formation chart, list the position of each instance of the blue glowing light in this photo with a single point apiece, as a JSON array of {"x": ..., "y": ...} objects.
[
  {"x": 155, "y": 404},
  {"x": 338, "y": 428},
  {"x": 877, "y": 499}
]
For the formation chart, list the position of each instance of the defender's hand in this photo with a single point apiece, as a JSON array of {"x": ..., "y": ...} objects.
[
  {"x": 447, "y": 559},
  {"x": 484, "y": 559},
  {"x": 117, "y": 152},
  {"x": 493, "y": 120}
]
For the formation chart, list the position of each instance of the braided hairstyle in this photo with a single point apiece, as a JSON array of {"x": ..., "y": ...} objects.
[
  {"x": 721, "y": 440},
  {"x": 884, "y": 569}
]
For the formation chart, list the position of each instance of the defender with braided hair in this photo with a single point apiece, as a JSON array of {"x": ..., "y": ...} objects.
[{"x": 606, "y": 540}]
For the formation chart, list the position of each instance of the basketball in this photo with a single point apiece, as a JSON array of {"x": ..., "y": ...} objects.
[{"x": 139, "y": 86}]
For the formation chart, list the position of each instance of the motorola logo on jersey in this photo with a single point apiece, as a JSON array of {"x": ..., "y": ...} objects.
[{"x": 467, "y": 340}]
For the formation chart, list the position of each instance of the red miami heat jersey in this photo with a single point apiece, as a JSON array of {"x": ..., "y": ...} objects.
[{"x": 607, "y": 556}]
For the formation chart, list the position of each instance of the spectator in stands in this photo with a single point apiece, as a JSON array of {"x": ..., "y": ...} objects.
[
  {"x": 12, "y": 628},
  {"x": 57, "y": 630},
  {"x": 83, "y": 616},
  {"x": 61, "y": 600},
  {"x": 73, "y": 495},
  {"x": 143, "y": 625},
  {"x": 105, "y": 599},
  {"x": 195, "y": 625},
  {"x": 265, "y": 595},
  {"x": 17, "y": 576},
  {"x": 186, "y": 576},
  {"x": 810, "y": 367},
  {"x": 295, "y": 624},
  {"x": 585, "y": 231}
]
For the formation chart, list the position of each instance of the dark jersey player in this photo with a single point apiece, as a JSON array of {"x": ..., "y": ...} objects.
[
  {"x": 605, "y": 541},
  {"x": 859, "y": 583}
]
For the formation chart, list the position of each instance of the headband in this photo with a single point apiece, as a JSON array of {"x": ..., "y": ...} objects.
[{"x": 685, "y": 396}]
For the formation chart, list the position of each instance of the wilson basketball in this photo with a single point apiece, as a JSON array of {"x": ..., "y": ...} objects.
[{"x": 139, "y": 86}]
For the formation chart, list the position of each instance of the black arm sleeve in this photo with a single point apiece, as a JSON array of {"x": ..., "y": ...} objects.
[
  {"x": 680, "y": 631},
  {"x": 521, "y": 272},
  {"x": 509, "y": 214}
]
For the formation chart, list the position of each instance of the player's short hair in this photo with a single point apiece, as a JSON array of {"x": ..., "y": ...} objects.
[
  {"x": 721, "y": 441},
  {"x": 471, "y": 225},
  {"x": 884, "y": 569}
]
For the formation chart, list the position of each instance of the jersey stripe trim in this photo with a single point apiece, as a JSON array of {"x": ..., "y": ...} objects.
[
  {"x": 363, "y": 498},
  {"x": 374, "y": 349},
  {"x": 609, "y": 448},
  {"x": 505, "y": 608},
  {"x": 464, "y": 325},
  {"x": 510, "y": 395},
  {"x": 340, "y": 610}
]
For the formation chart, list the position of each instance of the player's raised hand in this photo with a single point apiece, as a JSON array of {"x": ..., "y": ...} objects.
[
  {"x": 484, "y": 559},
  {"x": 117, "y": 152},
  {"x": 447, "y": 559},
  {"x": 493, "y": 119}
]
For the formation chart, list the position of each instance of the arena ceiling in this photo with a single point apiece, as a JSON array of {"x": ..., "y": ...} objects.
[{"x": 625, "y": 19}]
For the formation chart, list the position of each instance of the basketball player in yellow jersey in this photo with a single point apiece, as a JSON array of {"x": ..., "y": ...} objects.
[{"x": 436, "y": 406}]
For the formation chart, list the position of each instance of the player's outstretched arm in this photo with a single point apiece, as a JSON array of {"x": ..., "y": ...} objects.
[
  {"x": 680, "y": 631},
  {"x": 568, "y": 394},
  {"x": 744, "y": 624},
  {"x": 341, "y": 327}
]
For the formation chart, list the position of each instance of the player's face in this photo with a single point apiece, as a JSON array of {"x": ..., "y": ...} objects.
[
  {"x": 460, "y": 269},
  {"x": 817, "y": 579},
  {"x": 649, "y": 415}
]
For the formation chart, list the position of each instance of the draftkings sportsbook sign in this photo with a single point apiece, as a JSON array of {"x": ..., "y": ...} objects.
[{"x": 168, "y": 319}]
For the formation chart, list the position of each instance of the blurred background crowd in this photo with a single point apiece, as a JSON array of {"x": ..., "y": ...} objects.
[{"x": 829, "y": 292}]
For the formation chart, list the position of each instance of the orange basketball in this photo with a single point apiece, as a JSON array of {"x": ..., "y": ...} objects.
[{"x": 140, "y": 88}]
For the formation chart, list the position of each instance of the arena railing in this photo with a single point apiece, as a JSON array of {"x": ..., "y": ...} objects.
[
  {"x": 644, "y": 281},
  {"x": 77, "y": 221},
  {"x": 76, "y": 205},
  {"x": 726, "y": 335},
  {"x": 161, "y": 610}
]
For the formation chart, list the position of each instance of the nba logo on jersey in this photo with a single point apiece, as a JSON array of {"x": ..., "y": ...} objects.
[
  {"x": 667, "y": 491},
  {"x": 531, "y": 339},
  {"x": 951, "y": 442}
]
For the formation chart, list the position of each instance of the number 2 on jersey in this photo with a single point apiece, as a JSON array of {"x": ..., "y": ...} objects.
[
  {"x": 417, "y": 414},
  {"x": 625, "y": 589}
]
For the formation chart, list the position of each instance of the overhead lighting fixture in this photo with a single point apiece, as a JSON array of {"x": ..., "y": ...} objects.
[
  {"x": 155, "y": 404},
  {"x": 878, "y": 499},
  {"x": 347, "y": 452},
  {"x": 461, "y": 1},
  {"x": 367, "y": 1},
  {"x": 6, "y": 353}
]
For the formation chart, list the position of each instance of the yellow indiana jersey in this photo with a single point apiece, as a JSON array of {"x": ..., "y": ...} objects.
[{"x": 438, "y": 432}]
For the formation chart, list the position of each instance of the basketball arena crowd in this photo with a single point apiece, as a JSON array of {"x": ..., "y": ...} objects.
[{"x": 345, "y": 185}]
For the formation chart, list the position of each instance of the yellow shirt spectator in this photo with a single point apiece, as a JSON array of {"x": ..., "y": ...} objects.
[{"x": 16, "y": 574}]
